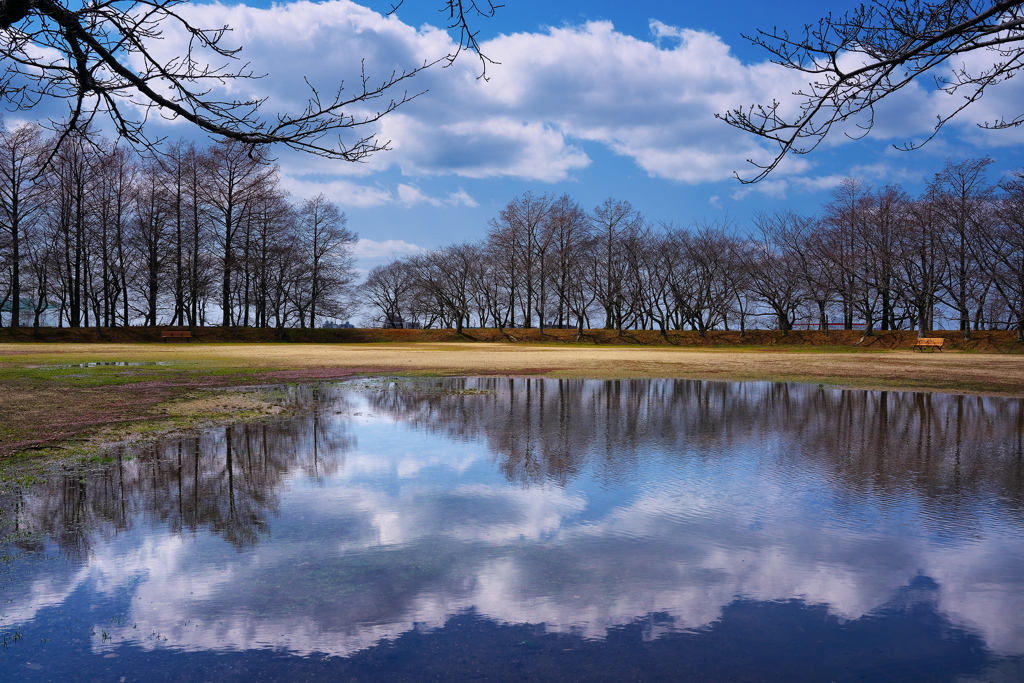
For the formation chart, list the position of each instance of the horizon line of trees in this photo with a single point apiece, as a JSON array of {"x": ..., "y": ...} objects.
[
  {"x": 873, "y": 258},
  {"x": 94, "y": 234}
]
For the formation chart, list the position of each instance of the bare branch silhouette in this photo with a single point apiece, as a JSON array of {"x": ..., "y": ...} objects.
[
  {"x": 100, "y": 58},
  {"x": 899, "y": 42}
]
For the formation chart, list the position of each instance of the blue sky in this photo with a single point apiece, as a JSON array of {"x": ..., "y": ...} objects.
[{"x": 596, "y": 99}]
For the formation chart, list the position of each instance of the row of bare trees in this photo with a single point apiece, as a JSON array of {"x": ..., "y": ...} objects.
[
  {"x": 875, "y": 258},
  {"x": 92, "y": 234}
]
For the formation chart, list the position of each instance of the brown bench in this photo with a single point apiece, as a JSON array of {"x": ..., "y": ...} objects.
[
  {"x": 176, "y": 334},
  {"x": 929, "y": 343}
]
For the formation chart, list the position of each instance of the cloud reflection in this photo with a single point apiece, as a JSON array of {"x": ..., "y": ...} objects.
[{"x": 592, "y": 505}]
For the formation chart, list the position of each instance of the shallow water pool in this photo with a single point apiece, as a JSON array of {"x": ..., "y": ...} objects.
[{"x": 534, "y": 529}]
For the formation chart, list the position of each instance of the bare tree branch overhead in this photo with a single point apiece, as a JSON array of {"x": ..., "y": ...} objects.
[
  {"x": 100, "y": 57},
  {"x": 896, "y": 42},
  {"x": 459, "y": 13}
]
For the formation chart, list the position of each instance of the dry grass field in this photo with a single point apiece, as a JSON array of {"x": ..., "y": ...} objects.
[{"x": 49, "y": 398}]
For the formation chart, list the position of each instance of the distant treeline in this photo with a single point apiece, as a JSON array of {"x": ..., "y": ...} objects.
[
  {"x": 92, "y": 234},
  {"x": 872, "y": 258}
]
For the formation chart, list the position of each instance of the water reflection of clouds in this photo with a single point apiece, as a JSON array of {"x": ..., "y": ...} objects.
[
  {"x": 982, "y": 591},
  {"x": 361, "y": 518},
  {"x": 45, "y": 590},
  {"x": 591, "y": 578},
  {"x": 393, "y": 549}
]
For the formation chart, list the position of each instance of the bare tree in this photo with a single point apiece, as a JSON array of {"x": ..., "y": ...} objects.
[
  {"x": 21, "y": 198},
  {"x": 325, "y": 244},
  {"x": 522, "y": 230},
  {"x": 612, "y": 223},
  {"x": 1004, "y": 252},
  {"x": 41, "y": 259},
  {"x": 72, "y": 181},
  {"x": 857, "y": 60},
  {"x": 277, "y": 267},
  {"x": 444, "y": 277},
  {"x": 650, "y": 261},
  {"x": 179, "y": 165},
  {"x": 843, "y": 230},
  {"x": 151, "y": 236},
  {"x": 388, "y": 288},
  {"x": 802, "y": 238},
  {"x": 484, "y": 289},
  {"x": 233, "y": 179},
  {"x": 115, "y": 195},
  {"x": 742, "y": 301},
  {"x": 963, "y": 201},
  {"x": 773, "y": 271},
  {"x": 705, "y": 287},
  {"x": 919, "y": 263},
  {"x": 569, "y": 243},
  {"x": 888, "y": 228}
]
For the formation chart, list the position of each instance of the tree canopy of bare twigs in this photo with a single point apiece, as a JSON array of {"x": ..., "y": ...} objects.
[
  {"x": 857, "y": 60},
  {"x": 100, "y": 57},
  {"x": 106, "y": 237},
  {"x": 871, "y": 259}
]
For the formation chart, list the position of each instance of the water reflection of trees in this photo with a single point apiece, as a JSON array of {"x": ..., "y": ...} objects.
[
  {"x": 951, "y": 451},
  {"x": 227, "y": 480},
  {"x": 949, "y": 448}
]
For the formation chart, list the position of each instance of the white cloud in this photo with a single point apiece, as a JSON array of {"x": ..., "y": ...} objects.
[
  {"x": 411, "y": 195},
  {"x": 551, "y": 91},
  {"x": 889, "y": 171},
  {"x": 485, "y": 148},
  {"x": 781, "y": 187},
  {"x": 460, "y": 196},
  {"x": 655, "y": 105},
  {"x": 408, "y": 194},
  {"x": 662, "y": 30},
  {"x": 551, "y": 95},
  {"x": 372, "y": 249},
  {"x": 345, "y": 193}
]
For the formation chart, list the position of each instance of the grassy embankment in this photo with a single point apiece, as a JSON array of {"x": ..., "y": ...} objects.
[{"x": 49, "y": 406}]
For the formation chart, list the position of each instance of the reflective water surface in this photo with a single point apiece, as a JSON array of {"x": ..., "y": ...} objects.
[{"x": 512, "y": 529}]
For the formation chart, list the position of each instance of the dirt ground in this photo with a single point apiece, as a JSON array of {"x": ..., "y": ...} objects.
[{"x": 45, "y": 400}]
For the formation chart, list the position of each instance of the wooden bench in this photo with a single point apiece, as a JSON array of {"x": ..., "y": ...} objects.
[
  {"x": 929, "y": 343},
  {"x": 176, "y": 334}
]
